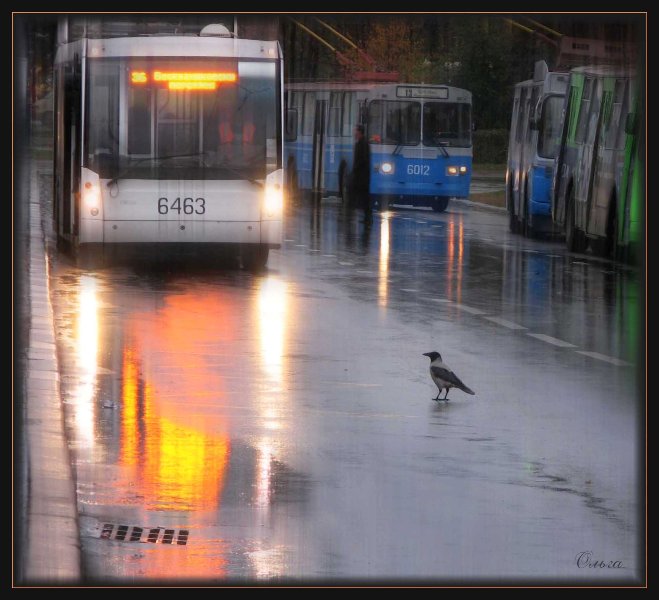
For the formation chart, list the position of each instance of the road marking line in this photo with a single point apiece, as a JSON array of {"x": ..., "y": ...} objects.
[
  {"x": 313, "y": 250},
  {"x": 508, "y": 324},
  {"x": 551, "y": 340},
  {"x": 352, "y": 383},
  {"x": 300, "y": 245},
  {"x": 289, "y": 240},
  {"x": 469, "y": 309},
  {"x": 409, "y": 290},
  {"x": 441, "y": 300},
  {"x": 346, "y": 264},
  {"x": 329, "y": 255},
  {"x": 609, "y": 359}
]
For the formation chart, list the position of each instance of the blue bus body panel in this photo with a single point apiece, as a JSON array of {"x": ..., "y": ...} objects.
[
  {"x": 420, "y": 177},
  {"x": 540, "y": 200}
]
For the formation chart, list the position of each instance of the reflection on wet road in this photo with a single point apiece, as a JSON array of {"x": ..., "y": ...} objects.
[{"x": 284, "y": 421}]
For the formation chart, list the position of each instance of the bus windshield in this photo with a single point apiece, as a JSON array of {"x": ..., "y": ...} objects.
[
  {"x": 200, "y": 118},
  {"x": 550, "y": 125},
  {"x": 446, "y": 124},
  {"x": 394, "y": 122}
]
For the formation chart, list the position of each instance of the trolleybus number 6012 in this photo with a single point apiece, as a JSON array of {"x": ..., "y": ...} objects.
[
  {"x": 186, "y": 205},
  {"x": 418, "y": 169}
]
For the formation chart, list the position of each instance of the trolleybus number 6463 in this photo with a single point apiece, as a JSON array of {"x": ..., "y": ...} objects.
[{"x": 186, "y": 205}]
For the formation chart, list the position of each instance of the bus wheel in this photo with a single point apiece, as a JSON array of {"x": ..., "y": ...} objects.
[
  {"x": 343, "y": 187},
  {"x": 574, "y": 239},
  {"x": 254, "y": 257},
  {"x": 611, "y": 246},
  {"x": 528, "y": 227},
  {"x": 440, "y": 204},
  {"x": 293, "y": 187},
  {"x": 512, "y": 219}
]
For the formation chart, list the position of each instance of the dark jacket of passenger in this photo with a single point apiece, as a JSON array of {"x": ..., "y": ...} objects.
[{"x": 361, "y": 167}]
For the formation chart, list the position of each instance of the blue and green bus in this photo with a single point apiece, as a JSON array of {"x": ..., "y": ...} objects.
[
  {"x": 598, "y": 175},
  {"x": 534, "y": 140},
  {"x": 419, "y": 136}
]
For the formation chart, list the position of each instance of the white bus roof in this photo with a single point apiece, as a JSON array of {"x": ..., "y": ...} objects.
[
  {"x": 555, "y": 82},
  {"x": 385, "y": 90},
  {"x": 172, "y": 46},
  {"x": 604, "y": 71}
]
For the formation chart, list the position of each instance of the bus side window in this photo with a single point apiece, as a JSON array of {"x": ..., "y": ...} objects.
[
  {"x": 291, "y": 124},
  {"x": 584, "y": 109},
  {"x": 139, "y": 122},
  {"x": 348, "y": 114}
]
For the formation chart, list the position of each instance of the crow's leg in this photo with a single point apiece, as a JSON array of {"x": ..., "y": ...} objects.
[{"x": 438, "y": 393}]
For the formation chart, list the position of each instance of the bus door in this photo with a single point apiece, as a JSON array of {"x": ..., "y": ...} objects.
[
  {"x": 318, "y": 147},
  {"x": 600, "y": 100},
  {"x": 520, "y": 130},
  {"x": 68, "y": 168}
]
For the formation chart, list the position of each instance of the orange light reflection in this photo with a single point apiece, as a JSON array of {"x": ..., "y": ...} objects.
[
  {"x": 449, "y": 262},
  {"x": 383, "y": 276},
  {"x": 87, "y": 353}
]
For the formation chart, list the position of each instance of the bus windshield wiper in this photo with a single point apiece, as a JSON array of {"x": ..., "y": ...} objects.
[
  {"x": 441, "y": 145},
  {"x": 152, "y": 158}
]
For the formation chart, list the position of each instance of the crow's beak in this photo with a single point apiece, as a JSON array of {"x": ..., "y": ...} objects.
[{"x": 426, "y": 354}]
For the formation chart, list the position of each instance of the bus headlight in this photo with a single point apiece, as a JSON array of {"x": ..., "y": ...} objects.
[
  {"x": 91, "y": 196},
  {"x": 387, "y": 168},
  {"x": 274, "y": 200},
  {"x": 451, "y": 170},
  {"x": 463, "y": 170}
]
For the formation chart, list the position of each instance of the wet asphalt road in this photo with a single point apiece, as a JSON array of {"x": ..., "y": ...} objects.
[{"x": 281, "y": 425}]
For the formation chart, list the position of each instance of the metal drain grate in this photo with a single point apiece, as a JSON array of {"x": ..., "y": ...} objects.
[{"x": 153, "y": 535}]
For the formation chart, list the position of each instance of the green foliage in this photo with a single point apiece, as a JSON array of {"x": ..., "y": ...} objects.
[
  {"x": 483, "y": 54},
  {"x": 490, "y": 146}
]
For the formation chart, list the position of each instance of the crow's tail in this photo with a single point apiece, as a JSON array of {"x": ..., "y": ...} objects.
[{"x": 464, "y": 388}]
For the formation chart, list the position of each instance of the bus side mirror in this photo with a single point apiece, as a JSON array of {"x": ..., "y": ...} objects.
[
  {"x": 630, "y": 123},
  {"x": 291, "y": 125}
]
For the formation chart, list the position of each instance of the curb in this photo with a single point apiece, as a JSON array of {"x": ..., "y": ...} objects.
[
  {"x": 53, "y": 542},
  {"x": 478, "y": 205}
]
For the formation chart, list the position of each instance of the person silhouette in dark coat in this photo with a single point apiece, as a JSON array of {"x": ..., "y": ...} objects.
[{"x": 361, "y": 174}]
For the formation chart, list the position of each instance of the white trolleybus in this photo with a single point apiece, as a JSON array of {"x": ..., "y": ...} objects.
[{"x": 169, "y": 141}]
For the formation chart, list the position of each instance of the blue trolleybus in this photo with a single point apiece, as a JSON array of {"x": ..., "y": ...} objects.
[
  {"x": 534, "y": 141},
  {"x": 419, "y": 136}
]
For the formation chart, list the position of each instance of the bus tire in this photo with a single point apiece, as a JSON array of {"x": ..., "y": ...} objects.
[
  {"x": 528, "y": 226},
  {"x": 292, "y": 181},
  {"x": 512, "y": 219},
  {"x": 611, "y": 249},
  {"x": 440, "y": 204},
  {"x": 574, "y": 239},
  {"x": 254, "y": 257},
  {"x": 343, "y": 184}
]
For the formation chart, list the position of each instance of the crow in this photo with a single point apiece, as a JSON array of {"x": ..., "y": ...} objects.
[{"x": 443, "y": 376}]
